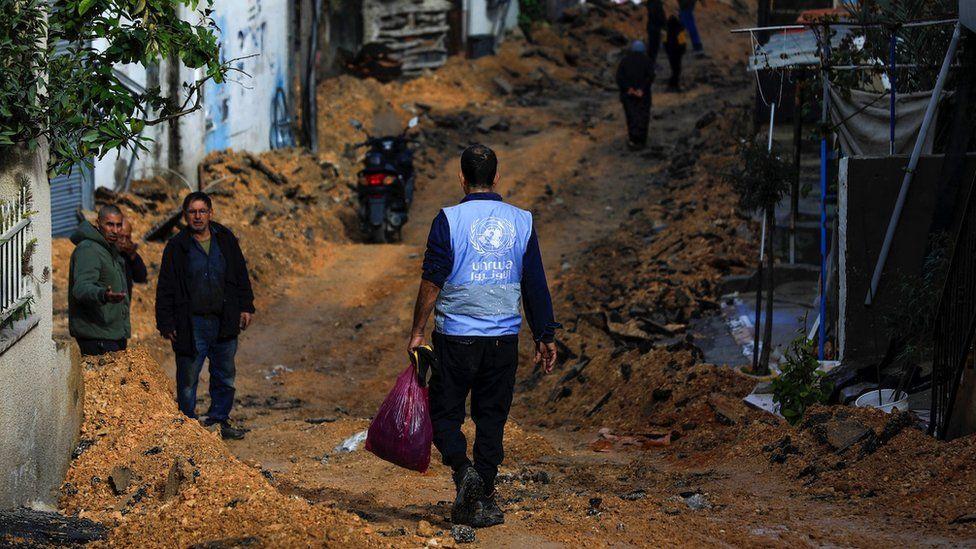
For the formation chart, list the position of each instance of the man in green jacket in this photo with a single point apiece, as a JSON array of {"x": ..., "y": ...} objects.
[{"x": 98, "y": 306}]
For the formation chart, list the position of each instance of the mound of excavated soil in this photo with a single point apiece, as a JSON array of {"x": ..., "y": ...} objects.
[{"x": 159, "y": 479}]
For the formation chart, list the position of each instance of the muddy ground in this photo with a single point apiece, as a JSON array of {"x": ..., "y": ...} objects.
[{"x": 632, "y": 441}]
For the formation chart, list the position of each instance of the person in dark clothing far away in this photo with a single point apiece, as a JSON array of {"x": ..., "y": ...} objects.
[
  {"x": 634, "y": 77},
  {"x": 655, "y": 25},
  {"x": 686, "y": 11},
  {"x": 98, "y": 305},
  {"x": 482, "y": 262},
  {"x": 675, "y": 45},
  {"x": 203, "y": 301},
  {"x": 135, "y": 267}
]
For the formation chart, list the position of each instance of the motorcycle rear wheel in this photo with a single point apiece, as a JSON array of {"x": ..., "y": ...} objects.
[{"x": 377, "y": 234}]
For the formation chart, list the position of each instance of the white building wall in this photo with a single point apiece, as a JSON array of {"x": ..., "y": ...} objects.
[
  {"x": 237, "y": 113},
  {"x": 40, "y": 384}
]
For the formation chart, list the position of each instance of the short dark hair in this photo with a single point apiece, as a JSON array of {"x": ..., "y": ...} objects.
[
  {"x": 479, "y": 165},
  {"x": 107, "y": 210},
  {"x": 197, "y": 195}
]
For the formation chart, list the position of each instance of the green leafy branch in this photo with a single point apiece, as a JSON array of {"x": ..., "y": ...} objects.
[
  {"x": 57, "y": 78},
  {"x": 800, "y": 384}
]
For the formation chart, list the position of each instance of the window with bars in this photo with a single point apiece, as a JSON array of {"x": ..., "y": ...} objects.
[{"x": 16, "y": 248}]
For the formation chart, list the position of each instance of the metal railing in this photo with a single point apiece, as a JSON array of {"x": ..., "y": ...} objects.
[
  {"x": 955, "y": 322},
  {"x": 16, "y": 242}
]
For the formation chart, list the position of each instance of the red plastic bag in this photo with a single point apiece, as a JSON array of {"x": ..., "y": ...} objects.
[{"x": 401, "y": 432}]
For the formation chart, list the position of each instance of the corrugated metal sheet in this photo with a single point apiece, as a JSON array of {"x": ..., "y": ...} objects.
[{"x": 69, "y": 194}]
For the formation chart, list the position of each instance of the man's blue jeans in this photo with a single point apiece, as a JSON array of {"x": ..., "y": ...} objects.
[
  {"x": 222, "y": 370},
  {"x": 687, "y": 18}
]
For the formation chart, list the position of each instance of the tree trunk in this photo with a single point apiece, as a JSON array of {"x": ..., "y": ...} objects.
[{"x": 768, "y": 325}]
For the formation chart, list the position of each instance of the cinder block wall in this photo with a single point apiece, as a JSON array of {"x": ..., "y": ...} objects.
[{"x": 40, "y": 381}]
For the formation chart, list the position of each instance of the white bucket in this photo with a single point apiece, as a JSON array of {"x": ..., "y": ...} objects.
[{"x": 888, "y": 401}]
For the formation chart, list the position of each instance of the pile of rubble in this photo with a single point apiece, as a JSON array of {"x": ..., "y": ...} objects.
[
  {"x": 160, "y": 479},
  {"x": 876, "y": 459}
]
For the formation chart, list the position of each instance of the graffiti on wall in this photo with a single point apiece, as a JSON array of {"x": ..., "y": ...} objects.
[{"x": 254, "y": 38}]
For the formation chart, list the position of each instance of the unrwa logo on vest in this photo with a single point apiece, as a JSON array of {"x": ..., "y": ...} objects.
[{"x": 492, "y": 235}]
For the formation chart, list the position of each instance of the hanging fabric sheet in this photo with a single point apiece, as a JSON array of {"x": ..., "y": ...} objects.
[{"x": 862, "y": 120}]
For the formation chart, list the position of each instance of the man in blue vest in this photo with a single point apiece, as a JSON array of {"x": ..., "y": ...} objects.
[{"x": 482, "y": 263}]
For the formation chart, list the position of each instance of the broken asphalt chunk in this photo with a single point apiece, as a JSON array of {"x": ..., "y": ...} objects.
[
  {"x": 119, "y": 479},
  {"x": 463, "y": 534}
]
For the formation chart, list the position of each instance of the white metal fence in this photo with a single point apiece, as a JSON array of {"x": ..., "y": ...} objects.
[{"x": 16, "y": 243}]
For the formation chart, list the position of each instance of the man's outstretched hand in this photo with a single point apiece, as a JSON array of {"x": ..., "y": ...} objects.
[
  {"x": 416, "y": 340},
  {"x": 114, "y": 297},
  {"x": 545, "y": 354}
]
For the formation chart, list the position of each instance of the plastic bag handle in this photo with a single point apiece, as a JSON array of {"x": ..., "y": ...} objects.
[{"x": 421, "y": 358}]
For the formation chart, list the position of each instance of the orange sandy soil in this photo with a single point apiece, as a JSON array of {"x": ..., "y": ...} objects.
[{"x": 626, "y": 238}]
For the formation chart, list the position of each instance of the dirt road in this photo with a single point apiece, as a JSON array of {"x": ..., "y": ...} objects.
[{"x": 337, "y": 339}]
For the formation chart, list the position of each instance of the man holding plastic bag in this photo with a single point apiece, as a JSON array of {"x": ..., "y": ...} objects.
[{"x": 482, "y": 263}]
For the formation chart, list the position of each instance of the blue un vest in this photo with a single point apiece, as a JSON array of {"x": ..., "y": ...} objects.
[{"x": 482, "y": 296}]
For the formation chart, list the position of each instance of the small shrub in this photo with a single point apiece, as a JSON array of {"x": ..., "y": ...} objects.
[
  {"x": 800, "y": 384},
  {"x": 762, "y": 178}
]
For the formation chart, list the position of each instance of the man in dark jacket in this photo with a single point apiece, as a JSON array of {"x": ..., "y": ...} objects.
[
  {"x": 98, "y": 306},
  {"x": 634, "y": 78},
  {"x": 203, "y": 302}
]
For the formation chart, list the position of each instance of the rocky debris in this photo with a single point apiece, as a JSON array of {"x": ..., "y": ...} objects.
[
  {"x": 463, "y": 534},
  {"x": 47, "y": 528},
  {"x": 968, "y": 518},
  {"x": 425, "y": 529},
  {"x": 191, "y": 488},
  {"x": 504, "y": 86},
  {"x": 175, "y": 479},
  {"x": 728, "y": 411},
  {"x": 492, "y": 123},
  {"x": 83, "y": 445},
  {"x": 272, "y": 402},
  {"x": 695, "y": 501},
  {"x": 320, "y": 420},
  {"x": 594, "y": 507},
  {"x": 634, "y": 495},
  {"x": 896, "y": 424},
  {"x": 228, "y": 543},
  {"x": 119, "y": 479},
  {"x": 841, "y": 435},
  {"x": 525, "y": 475},
  {"x": 780, "y": 451}
]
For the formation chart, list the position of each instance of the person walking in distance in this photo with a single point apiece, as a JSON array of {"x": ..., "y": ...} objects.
[
  {"x": 634, "y": 77},
  {"x": 203, "y": 302},
  {"x": 482, "y": 262},
  {"x": 675, "y": 45},
  {"x": 686, "y": 11},
  {"x": 655, "y": 25},
  {"x": 98, "y": 304}
]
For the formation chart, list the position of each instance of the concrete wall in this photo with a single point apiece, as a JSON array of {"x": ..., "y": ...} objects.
[
  {"x": 40, "y": 383},
  {"x": 236, "y": 114},
  {"x": 868, "y": 190}
]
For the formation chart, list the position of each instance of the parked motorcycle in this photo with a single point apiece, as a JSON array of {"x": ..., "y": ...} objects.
[{"x": 386, "y": 183}]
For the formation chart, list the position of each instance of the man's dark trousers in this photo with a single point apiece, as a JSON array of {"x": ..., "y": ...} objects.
[
  {"x": 95, "y": 347},
  {"x": 637, "y": 111},
  {"x": 222, "y": 370},
  {"x": 485, "y": 368}
]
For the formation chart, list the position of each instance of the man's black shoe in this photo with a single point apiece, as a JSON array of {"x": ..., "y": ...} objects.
[
  {"x": 227, "y": 431},
  {"x": 490, "y": 514},
  {"x": 470, "y": 491}
]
